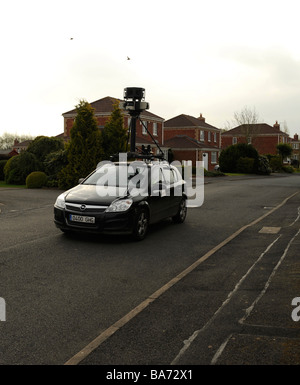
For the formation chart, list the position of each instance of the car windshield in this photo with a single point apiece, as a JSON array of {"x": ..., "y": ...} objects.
[{"x": 117, "y": 175}]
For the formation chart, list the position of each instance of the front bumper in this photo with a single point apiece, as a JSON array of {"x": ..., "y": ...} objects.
[{"x": 120, "y": 222}]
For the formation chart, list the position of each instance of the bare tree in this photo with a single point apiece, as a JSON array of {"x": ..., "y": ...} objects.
[
  {"x": 285, "y": 127},
  {"x": 7, "y": 140},
  {"x": 247, "y": 119}
]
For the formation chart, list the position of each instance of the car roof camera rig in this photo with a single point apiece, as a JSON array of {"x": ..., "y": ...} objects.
[{"x": 134, "y": 102}]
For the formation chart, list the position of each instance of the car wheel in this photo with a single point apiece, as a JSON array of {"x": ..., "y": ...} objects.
[
  {"x": 181, "y": 214},
  {"x": 141, "y": 225}
]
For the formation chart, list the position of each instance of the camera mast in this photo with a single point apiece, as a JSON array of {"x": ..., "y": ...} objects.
[{"x": 134, "y": 103}]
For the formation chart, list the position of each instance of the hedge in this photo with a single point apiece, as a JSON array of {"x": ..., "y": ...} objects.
[
  {"x": 2, "y": 164},
  {"x": 36, "y": 179}
]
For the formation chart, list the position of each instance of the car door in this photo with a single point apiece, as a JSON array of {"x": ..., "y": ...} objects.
[
  {"x": 174, "y": 190},
  {"x": 158, "y": 195}
]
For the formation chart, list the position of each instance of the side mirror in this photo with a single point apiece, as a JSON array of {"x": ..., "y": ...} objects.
[{"x": 80, "y": 180}]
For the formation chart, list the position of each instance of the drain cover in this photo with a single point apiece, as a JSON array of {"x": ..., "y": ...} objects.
[{"x": 270, "y": 230}]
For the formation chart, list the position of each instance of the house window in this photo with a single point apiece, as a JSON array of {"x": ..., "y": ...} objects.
[
  {"x": 215, "y": 137},
  {"x": 234, "y": 140},
  {"x": 249, "y": 140},
  {"x": 213, "y": 157},
  {"x": 209, "y": 136},
  {"x": 202, "y": 135},
  {"x": 296, "y": 146},
  {"x": 145, "y": 126},
  {"x": 155, "y": 129}
]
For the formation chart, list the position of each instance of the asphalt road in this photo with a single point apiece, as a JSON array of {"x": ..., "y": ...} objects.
[{"x": 214, "y": 290}]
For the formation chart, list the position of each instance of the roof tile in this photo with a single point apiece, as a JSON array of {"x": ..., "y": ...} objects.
[
  {"x": 258, "y": 129},
  {"x": 106, "y": 105},
  {"x": 184, "y": 121}
]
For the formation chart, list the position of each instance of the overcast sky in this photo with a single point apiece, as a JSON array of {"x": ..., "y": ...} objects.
[{"x": 212, "y": 57}]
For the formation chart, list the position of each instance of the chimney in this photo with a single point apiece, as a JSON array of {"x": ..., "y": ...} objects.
[
  {"x": 296, "y": 137},
  {"x": 16, "y": 142},
  {"x": 277, "y": 125},
  {"x": 201, "y": 118}
]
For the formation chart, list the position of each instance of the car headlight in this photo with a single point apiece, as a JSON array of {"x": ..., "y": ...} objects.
[
  {"x": 60, "y": 201},
  {"x": 119, "y": 205}
]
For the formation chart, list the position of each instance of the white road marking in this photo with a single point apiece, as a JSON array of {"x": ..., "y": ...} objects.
[
  {"x": 220, "y": 350},
  {"x": 297, "y": 218},
  {"x": 250, "y": 308},
  {"x": 188, "y": 342},
  {"x": 82, "y": 354}
]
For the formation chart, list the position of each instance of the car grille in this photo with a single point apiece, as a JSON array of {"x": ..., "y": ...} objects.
[{"x": 81, "y": 208}]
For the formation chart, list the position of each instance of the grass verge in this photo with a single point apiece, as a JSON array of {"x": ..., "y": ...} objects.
[
  {"x": 234, "y": 174},
  {"x": 3, "y": 184}
]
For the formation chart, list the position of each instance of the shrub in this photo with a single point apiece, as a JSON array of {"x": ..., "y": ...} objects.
[
  {"x": 263, "y": 165},
  {"x": 54, "y": 163},
  {"x": 84, "y": 150},
  {"x": 229, "y": 157},
  {"x": 7, "y": 167},
  {"x": 245, "y": 165},
  {"x": 288, "y": 169},
  {"x": 2, "y": 164},
  {"x": 36, "y": 179},
  {"x": 275, "y": 163},
  {"x": 41, "y": 146},
  {"x": 19, "y": 166},
  {"x": 213, "y": 173},
  {"x": 285, "y": 150}
]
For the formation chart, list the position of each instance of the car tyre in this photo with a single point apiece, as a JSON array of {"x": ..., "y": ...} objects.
[
  {"x": 182, "y": 211},
  {"x": 141, "y": 224},
  {"x": 66, "y": 231}
]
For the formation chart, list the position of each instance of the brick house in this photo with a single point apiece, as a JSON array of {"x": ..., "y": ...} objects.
[
  {"x": 21, "y": 146},
  {"x": 261, "y": 135},
  {"x": 295, "y": 143},
  {"x": 8, "y": 153},
  {"x": 103, "y": 109},
  {"x": 193, "y": 139}
]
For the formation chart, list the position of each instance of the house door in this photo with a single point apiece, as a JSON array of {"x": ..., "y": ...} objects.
[{"x": 205, "y": 160}]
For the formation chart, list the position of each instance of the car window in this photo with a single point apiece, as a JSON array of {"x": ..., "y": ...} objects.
[
  {"x": 168, "y": 175},
  {"x": 115, "y": 176},
  {"x": 156, "y": 175},
  {"x": 177, "y": 174}
]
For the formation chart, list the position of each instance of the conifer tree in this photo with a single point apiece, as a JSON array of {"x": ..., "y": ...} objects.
[
  {"x": 114, "y": 135},
  {"x": 84, "y": 148}
]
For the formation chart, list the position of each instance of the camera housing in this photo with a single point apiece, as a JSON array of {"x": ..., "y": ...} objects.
[
  {"x": 134, "y": 100},
  {"x": 134, "y": 103}
]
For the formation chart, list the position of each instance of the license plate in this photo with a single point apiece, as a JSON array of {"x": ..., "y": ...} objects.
[{"x": 81, "y": 218}]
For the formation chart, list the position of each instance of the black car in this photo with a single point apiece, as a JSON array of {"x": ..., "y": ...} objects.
[{"x": 123, "y": 198}]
